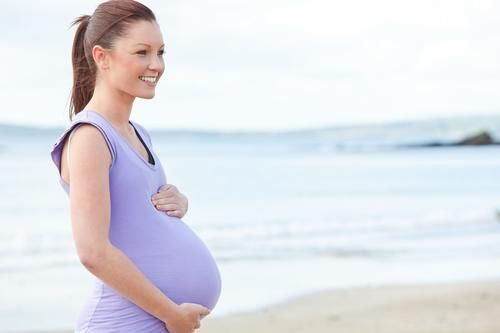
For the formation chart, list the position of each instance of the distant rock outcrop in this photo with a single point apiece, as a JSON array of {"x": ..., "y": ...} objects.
[
  {"x": 479, "y": 139},
  {"x": 483, "y": 138}
]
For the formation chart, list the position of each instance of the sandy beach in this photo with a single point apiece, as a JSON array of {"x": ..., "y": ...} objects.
[{"x": 457, "y": 308}]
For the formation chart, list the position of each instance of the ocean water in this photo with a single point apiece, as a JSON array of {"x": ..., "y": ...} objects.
[{"x": 283, "y": 213}]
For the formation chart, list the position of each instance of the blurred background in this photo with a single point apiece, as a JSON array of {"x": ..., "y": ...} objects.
[{"x": 321, "y": 145}]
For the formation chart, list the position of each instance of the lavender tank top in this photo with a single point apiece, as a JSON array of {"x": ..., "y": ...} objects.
[{"x": 163, "y": 247}]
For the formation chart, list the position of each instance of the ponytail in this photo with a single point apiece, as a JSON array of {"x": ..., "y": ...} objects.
[{"x": 83, "y": 69}]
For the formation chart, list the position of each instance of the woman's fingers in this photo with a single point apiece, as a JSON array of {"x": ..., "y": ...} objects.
[
  {"x": 168, "y": 188},
  {"x": 167, "y": 206},
  {"x": 176, "y": 213},
  {"x": 170, "y": 200},
  {"x": 165, "y": 199},
  {"x": 166, "y": 192},
  {"x": 203, "y": 311},
  {"x": 163, "y": 196},
  {"x": 170, "y": 209}
]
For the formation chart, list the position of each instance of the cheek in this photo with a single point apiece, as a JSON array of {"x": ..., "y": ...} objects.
[
  {"x": 162, "y": 66},
  {"x": 131, "y": 69}
]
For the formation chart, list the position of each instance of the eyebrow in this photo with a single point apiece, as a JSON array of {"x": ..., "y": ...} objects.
[{"x": 148, "y": 44}]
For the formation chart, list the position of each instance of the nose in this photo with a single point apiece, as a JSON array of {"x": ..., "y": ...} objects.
[{"x": 157, "y": 64}]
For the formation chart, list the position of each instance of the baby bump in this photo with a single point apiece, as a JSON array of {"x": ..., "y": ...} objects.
[{"x": 180, "y": 264}]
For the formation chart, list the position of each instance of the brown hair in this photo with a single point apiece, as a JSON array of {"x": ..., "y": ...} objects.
[{"x": 109, "y": 22}]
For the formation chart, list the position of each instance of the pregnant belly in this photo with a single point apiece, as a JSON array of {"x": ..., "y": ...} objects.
[{"x": 177, "y": 261}]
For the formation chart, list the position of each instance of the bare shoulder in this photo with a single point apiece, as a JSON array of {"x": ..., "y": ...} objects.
[
  {"x": 89, "y": 154},
  {"x": 89, "y": 144}
]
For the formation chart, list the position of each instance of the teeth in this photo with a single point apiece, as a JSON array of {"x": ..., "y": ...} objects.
[{"x": 148, "y": 78}]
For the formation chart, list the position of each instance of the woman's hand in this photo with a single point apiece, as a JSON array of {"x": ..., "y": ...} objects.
[
  {"x": 169, "y": 199},
  {"x": 186, "y": 318}
]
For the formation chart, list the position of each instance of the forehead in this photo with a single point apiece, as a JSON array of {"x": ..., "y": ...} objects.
[{"x": 143, "y": 32}]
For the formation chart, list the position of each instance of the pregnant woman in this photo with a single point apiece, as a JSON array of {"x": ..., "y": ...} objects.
[{"x": 153, "y": 273}]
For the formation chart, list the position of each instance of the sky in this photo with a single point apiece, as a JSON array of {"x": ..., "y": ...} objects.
[{"x": 273, "y": 65}]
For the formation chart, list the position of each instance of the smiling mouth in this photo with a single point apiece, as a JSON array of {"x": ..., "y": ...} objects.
[{"x": 149, "y": 79}]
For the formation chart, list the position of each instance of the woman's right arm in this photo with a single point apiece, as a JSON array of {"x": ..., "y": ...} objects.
[{"x": 90, "y": 208}]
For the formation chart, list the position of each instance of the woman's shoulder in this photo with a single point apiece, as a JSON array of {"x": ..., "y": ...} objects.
[
  {"x": 96, "y": 131},
  {"x": 92, "y": 143}
]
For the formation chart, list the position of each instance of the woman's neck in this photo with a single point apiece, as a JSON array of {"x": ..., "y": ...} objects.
[{"x": 114, "y": 105}]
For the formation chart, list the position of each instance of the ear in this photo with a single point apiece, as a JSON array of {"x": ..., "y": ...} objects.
[{"x": 101, "y": 57}]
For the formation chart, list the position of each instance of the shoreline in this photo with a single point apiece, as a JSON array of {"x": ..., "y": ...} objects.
[{"x": 465, "y": 307}]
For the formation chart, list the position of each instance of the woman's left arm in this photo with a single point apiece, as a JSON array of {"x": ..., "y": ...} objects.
[{"x": 170, "y": 200}]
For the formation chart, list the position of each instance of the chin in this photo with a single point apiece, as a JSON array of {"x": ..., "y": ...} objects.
[{"x": 146, "y": 96}]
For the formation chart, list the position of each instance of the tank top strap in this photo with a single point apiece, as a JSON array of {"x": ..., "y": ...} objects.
[
  {"x": 80, "y": 118},
  {"x": 143, "y": 132},
  {"x": 69, "y": 142}
]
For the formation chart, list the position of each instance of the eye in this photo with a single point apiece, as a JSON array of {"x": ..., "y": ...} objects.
[
  {"x": 161, "y": 52},
  {"x": 141, "y": 52}
]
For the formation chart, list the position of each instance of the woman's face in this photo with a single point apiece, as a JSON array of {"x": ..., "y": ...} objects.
[{"x": 136, "y": 62}]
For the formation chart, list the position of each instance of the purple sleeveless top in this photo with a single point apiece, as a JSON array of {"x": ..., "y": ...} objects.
[{"x": 163, "y": 247}]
